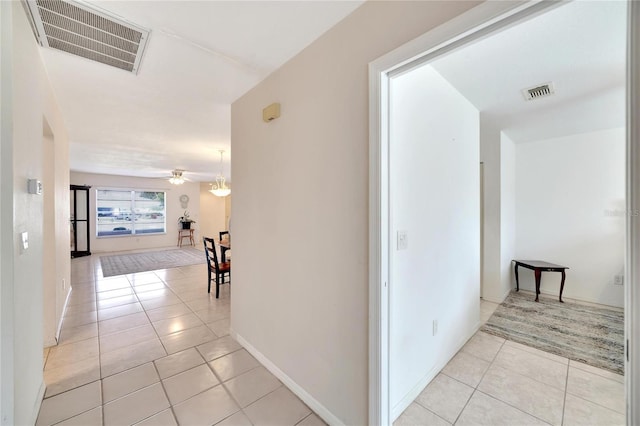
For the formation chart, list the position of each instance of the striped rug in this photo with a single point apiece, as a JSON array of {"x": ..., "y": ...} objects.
[
  {"x": 590, "y": 334},
  {"x": 150, "y": 260}
]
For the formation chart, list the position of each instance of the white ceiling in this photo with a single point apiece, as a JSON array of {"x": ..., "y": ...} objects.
[
  {"x": 201, "y": 56},
  {"x": 580, "y": 47}
]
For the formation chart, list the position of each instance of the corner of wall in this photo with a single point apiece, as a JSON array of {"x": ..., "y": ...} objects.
[{"x": 298, "y": 390}]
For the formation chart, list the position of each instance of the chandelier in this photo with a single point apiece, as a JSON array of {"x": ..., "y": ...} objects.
[
  {"x": 176, "y": 177},
  {"x": 220, "y": 188}
]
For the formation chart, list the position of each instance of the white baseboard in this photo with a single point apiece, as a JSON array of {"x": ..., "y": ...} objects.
[
  {"x": 38, "y": 403},
  {"x": 402, "y": 405},
  {"x": 64, "y": 311},
  {"x": 298, "y": 390},
  {"x": 506, "y": 294}
]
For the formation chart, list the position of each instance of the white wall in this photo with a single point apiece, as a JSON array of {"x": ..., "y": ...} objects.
[
  {"x": 508, "y": 187},
  {"x": 301, "y": 199},
  {"x": 32, "y": 103},
  {"x": 48, "y": 240},
  {"x": 570, "y": 210},
  {"x": 6, "y": 215},
  {"x": 173, "y": 205},
  {"x": 434, "y": 197},
  {"x": 212, "y": 212},
  {"x": 492, "y": 289}
]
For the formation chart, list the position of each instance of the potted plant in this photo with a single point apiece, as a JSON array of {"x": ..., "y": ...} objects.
[{"x": 185, "y": 220}]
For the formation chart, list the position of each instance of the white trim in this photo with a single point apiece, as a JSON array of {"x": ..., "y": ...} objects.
[
  {"x": 64, "y": 311},
  {"x": 298, "y": 390},
  {"x": 7, "y": 309},
  {"x": 632, "y": 264},
  {"x": 38, "y": 403},
  {"x": 424, "y": 381},
  {"x": 474, "y": 24},
  {"x": 378, "y": 250}
]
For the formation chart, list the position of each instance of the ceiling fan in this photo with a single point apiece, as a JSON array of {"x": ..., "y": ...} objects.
[{"x": 176, "y": 177}]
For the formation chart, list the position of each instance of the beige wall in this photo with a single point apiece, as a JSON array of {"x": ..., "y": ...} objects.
[
  {"x": 32, "y": 105},
  {"x": 212, "y": 212},
  {"x": 174, "y": 210},
  {"x": 308, "y": 320}
]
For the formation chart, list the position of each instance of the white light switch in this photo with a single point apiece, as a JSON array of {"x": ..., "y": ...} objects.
[
  {"x": 403, "y": 243},
  {"x": 25, "y": 240}
]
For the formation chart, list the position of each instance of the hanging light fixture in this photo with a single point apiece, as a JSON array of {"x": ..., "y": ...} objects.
[
  {"x": 176, "y": 177},
  {"x": 220, "y": 188}
]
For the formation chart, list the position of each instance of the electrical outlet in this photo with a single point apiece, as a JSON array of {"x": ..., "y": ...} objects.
[
  {"x": 618, "y": 280},
  {"x": 435, "y": 327},
  {"x": 403, "y": 243}
]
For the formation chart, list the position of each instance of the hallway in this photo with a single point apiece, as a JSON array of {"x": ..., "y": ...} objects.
[{"x": 153, "y": 348}]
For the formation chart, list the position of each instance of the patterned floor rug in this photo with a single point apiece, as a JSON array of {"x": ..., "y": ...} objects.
[
  {"x": 584, "y": 333},
  {"x": 151, "y": 260}
]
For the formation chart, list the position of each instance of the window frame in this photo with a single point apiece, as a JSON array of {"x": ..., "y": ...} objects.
[{"x": 132, "y": 212}]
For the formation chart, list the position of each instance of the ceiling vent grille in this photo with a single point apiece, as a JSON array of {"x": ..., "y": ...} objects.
[
  {"x": 539, "y": 91},
  {"x": 81, "y": 30}
]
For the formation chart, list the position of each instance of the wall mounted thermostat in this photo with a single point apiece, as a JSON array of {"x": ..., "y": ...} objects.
[{"x": 35, "y": 186}]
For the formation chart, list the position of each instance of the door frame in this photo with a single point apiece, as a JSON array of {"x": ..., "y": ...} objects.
[
  {"x": 472, "y": 25},
  {"x": 632, "y": 261}
]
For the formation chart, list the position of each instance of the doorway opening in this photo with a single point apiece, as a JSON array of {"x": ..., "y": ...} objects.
[{"x": 389, "y": 235}]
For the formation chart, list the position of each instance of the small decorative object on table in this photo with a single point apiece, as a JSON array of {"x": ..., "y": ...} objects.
[{"x": 185, "y": 220}]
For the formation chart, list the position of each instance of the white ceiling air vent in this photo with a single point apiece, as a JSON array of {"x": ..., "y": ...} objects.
[
  {"x": 539, "y": 91},
  {"x": 81, "y": 30}
]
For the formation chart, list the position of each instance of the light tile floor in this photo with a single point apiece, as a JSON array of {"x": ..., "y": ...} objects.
[
  {"x": 495, "y": 382},
  {"x": 154, "y": 349}
]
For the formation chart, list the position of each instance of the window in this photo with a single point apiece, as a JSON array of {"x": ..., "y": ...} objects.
[{"x": 129, "y": 212}]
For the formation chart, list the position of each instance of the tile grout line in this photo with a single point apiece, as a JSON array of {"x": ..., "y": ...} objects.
[
  {"x": 594, "y": 402},
  {"x": 166, "y": 394},
  {"x": 505, "y": 402},
  {"x": 98, "y": 327},
  {"x": 102, "y": 410},
  {"x": 69, "y": 390},
  {"x": 475, "y": 388},
  {"x": 515, "y": 408},
  {"x": 171, "y": 405},
  {"x": 415, "y": 401},
  {"x": 566, "y": 390}
]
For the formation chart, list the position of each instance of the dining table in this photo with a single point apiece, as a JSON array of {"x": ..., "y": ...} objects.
[{"x": 225, "y": 245}]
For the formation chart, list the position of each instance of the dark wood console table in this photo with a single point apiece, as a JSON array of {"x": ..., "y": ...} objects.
[{"x": 538, "y": 266}]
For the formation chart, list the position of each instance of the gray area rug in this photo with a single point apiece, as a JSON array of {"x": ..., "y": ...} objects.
[
  {"x": 588, "y": 334},
  {"x": 121, "y": 264}
]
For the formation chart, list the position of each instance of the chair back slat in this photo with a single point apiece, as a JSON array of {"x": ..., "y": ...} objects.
[
  {"x": 215, "y": 270},
  {"x": 210, "y": 251}
]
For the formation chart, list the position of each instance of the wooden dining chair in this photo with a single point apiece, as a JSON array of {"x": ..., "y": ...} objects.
[
  {"x": 215, "y": 268},
  {"x": 222, "y": 234}
]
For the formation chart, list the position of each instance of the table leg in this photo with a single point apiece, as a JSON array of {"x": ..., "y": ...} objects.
[
  {"x": 562, "y": 284},
  {"x": 517, "y": 282},
  {"x": 538, "y": 274}
]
